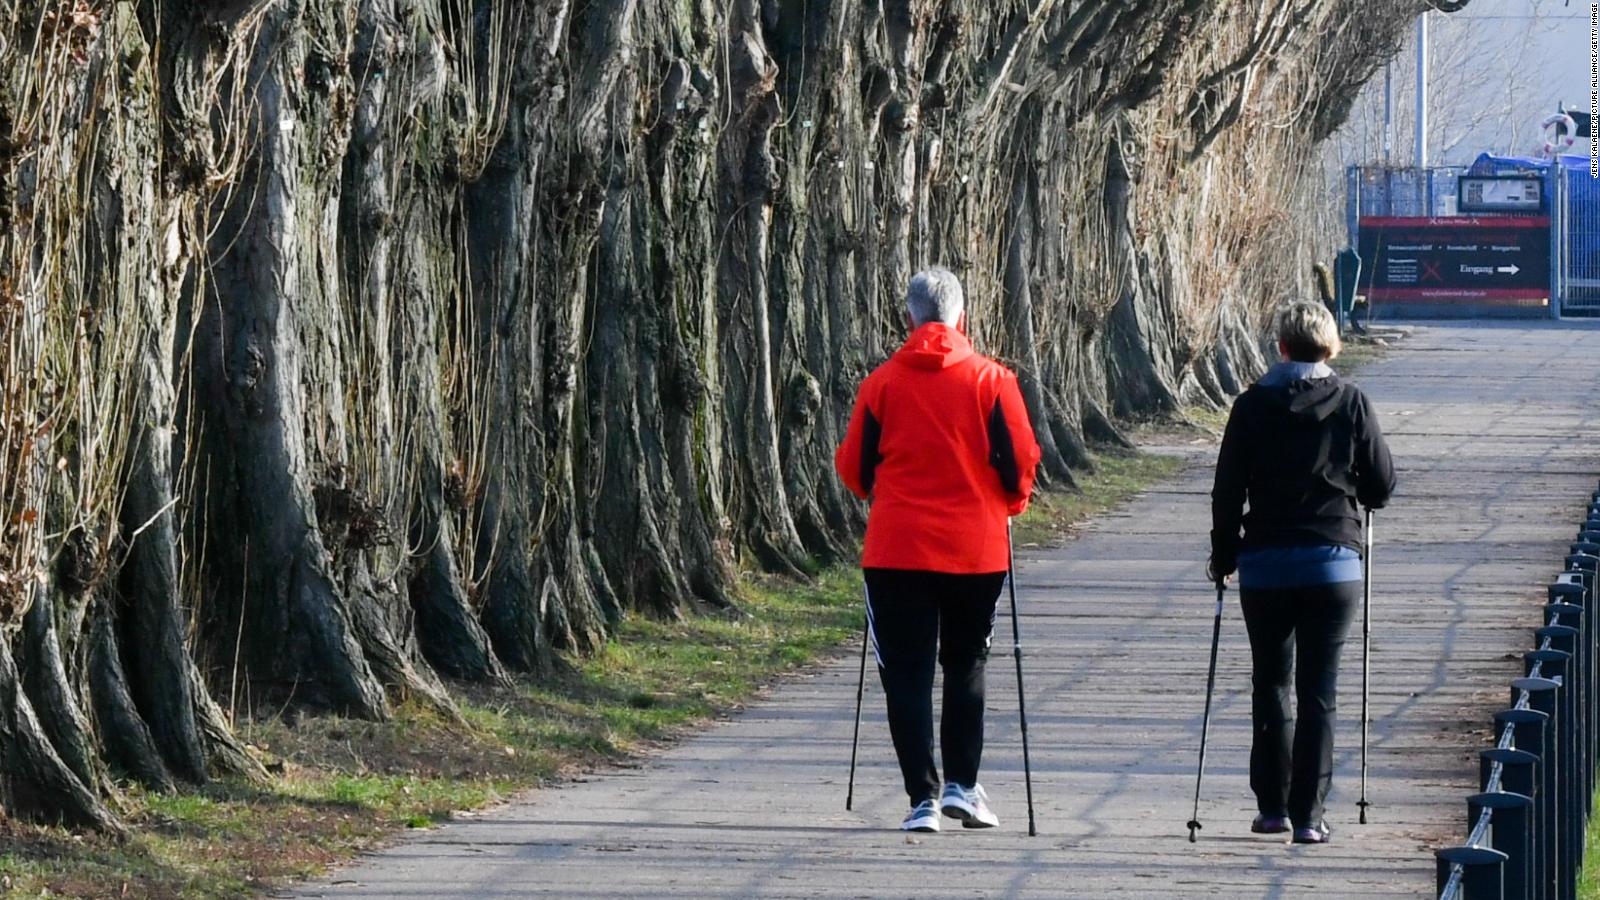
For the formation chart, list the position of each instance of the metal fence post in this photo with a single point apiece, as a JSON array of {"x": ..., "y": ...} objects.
[
  {"x": 1557, "y": 195},
  {"x": 1352, "y": 202},
  {"x": 1527, "y": 826},
  {"x": 1542, "y": 697},
  {"x": 1585, "y": 564},
  {"x": 1519, "y": 770},
  {"x": 1509, "y": 822},
  {"x": 1564, "y": 596},
  {"x": 1514, "y": 833},
  {"x": 1481, "y": 870},
  {"x": 1563, "y": 638},
  {"x": 1557, "y": 666},
  {"x": 1528, "y": 738}
]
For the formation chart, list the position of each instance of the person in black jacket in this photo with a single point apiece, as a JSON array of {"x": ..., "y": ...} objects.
[{"x": 1302, "y": 448}]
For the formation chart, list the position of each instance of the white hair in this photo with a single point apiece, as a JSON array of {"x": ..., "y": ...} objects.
[{"x": 935, "y": 296}]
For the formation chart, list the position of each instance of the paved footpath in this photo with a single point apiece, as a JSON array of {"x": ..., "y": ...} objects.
[{"x": 1494, "y": 427}]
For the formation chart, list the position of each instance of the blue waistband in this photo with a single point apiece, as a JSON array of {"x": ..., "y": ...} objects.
[{"x": 1282, "y": 567}]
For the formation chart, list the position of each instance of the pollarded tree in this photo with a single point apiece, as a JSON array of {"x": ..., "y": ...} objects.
[{"x": 351, "y": 343}]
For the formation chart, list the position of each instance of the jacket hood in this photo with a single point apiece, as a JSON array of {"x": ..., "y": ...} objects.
[
  {"x": 1309, "y": 391},
  {"x": 934, "y": 346}
]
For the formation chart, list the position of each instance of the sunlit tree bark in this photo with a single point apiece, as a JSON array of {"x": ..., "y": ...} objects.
[{"x": 355, "y": 344}]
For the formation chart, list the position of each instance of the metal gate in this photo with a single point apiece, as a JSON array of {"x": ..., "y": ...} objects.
[{"x": 1576, "y": 223}]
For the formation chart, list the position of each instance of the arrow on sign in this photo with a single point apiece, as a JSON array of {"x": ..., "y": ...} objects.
[{"x": 1508, "y": 270}]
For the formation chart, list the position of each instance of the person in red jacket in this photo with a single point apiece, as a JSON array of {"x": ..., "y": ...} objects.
[{"x": 940, "y": 443}]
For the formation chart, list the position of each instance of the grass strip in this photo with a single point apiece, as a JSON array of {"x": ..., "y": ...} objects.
[{"x": 1589, "y": 877}]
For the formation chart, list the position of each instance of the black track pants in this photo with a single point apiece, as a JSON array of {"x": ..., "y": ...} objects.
[
  {"x": 1291, "y": 760},
  {"x": 913, "y": 616}
]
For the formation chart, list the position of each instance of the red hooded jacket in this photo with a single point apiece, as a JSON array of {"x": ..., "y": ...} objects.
[{"x": 941, "y": 444}]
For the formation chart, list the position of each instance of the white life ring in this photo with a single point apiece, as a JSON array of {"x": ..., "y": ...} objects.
[{"x": 1564, "y": 135}]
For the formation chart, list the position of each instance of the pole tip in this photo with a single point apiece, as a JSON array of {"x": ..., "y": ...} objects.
[{"x": 1194, "y": 826}]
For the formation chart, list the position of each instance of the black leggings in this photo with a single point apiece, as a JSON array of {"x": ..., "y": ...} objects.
[
  {"x": 912, "y": 614},
  {"x": 1291, "y": 762}
]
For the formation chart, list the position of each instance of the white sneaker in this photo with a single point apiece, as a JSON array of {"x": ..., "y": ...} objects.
[
  {"x": 923, "y": 817},
  {"x": 971, "y": 806}
]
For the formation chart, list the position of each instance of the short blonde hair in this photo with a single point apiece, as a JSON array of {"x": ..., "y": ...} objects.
[{"x": 1307, "y": 331}]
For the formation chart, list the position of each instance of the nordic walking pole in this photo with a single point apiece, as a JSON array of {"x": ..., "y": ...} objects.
[
  {"x": 1205, "y": 721},
  {"x": 1016, "y": 652},
  {"x": 1366, "y": 659},
  {"x": 861, "y": 683}
]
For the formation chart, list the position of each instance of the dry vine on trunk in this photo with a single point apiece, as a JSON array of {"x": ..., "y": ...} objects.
[{"x": 353, "y": 344}]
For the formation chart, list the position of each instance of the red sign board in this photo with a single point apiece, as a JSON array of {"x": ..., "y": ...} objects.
[{"x": 1472, "y": 260}]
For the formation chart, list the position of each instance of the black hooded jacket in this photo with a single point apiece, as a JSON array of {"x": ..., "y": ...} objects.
[{"x": 1304, "y": 453}]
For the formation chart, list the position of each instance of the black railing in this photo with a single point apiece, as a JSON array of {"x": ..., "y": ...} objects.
[{"x": 1527, "y": 824}]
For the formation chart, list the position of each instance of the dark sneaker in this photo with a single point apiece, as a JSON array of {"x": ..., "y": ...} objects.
[
  {"x": 1312, "y": 834},
  {"x": 923, "y": 817},
  {"x": 1271, "y": 825},
  {"x": 970, "y": 805}
]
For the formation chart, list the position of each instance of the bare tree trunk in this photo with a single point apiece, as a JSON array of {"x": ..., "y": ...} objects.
[
  {"x": 748, "y": 178},
  {"x": 52, "y": 690},
  {"x": 1017, "y": 282},
  {"x": 276, "y": 579},
  {"x": 34, "y": 781},
  {"x": 342, "y": 342},
  {"x": 127, "y": 740},
  {"x": 1138, "y": 336}
]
